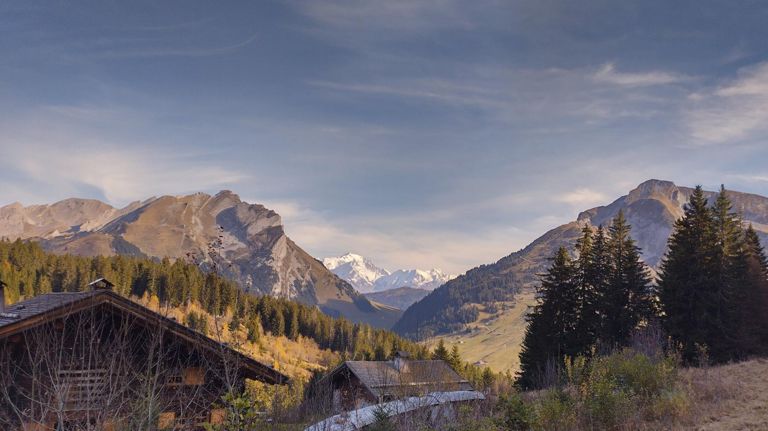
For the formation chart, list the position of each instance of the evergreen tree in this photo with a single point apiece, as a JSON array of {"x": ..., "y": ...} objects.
[
  {"x": 440, "y": 351},
  {"x": 588, "y": 283},
  {"x": 751, "y": 299},
  {"x": 277, "y": 323},
  {"x": 729, "y": 270},
  {"x": 550, "y": 334},
  {"x": 454, "y": 359},
  {"x": 688, "y": 279},
  {"x": 292, "y": 327},
  {"x": 627, "y": 299}
]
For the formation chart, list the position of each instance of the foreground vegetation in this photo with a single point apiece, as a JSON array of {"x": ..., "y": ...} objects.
[{"x": 630, "y": 389}]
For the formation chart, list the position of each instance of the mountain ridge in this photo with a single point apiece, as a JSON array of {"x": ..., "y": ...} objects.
[
  {"x": 247, "y": 242},
  {"x": 651, "y": 208},
  {"x": 367, "y": 277}
]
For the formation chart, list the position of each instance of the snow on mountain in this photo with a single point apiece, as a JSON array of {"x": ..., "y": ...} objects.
[
  {"x": 416, "y": 278},
  {"x": 366, "y": 277},
  {"x": 357, "y": 270}
]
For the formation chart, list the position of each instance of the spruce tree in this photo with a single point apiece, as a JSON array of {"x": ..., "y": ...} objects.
[
  {"x": 441, "y": 352},
  {"x": 688, "y": 279},
  {"x": 549, "y": 336},
  {"x": 750, "y": 300},
  {"x": 729, "y": 270},
  {"x": 454, "y": 359},
  {"x": 627, "y": 299},
  {"x": 588, "y": 282}
]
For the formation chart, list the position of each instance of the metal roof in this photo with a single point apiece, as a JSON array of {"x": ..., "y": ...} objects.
[{"x": 363, "y": 417}]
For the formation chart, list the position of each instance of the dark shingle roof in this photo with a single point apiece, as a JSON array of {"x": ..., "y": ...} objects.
[
  {"x": 40, "y": 304},
  {"x": 382, "y": 377}
]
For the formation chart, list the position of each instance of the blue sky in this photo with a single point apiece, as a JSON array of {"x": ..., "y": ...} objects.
[{"x": 421, "y": 133}]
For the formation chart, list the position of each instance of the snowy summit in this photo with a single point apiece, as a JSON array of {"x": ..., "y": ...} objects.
[{"x": 366, "y": 277}]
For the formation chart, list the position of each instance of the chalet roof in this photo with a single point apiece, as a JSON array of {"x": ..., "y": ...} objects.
[
  {"x": 40, "y": 304},
  {"x": 382, "y": 377},
  {"x": 42, "y": 308}
]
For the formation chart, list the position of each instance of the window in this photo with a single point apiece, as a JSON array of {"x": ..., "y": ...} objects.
[{"x": 81, "y": 389}]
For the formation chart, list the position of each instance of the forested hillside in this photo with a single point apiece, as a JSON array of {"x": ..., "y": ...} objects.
[
  {"x": 28, "y": 271},
  {"x": 450, "y": 307}
]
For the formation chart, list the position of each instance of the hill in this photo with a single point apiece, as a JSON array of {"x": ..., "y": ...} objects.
[
  {"x": 457, "y": 306},
  {"x": 246, "y": 242},
  {"x": 296, "y": 338},
  {"x": 400, "y": 298}
]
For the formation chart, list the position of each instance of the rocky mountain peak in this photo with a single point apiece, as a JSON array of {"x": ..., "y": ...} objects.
[
  {"x": 247, "y": 241},
  {"x": 362, "y": 273},
  {"x": 654, "y": 189}
]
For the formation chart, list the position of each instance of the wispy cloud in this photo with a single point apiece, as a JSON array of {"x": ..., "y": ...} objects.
[
  {"x": 189, "y": 51},
  {"x": 732, "y": 112},
  {"x": 408, "y": 15},
  {"x": 583, "y": 198},
  {"x": 70, "y": 158},
  {"x": 608, "y": 73}
]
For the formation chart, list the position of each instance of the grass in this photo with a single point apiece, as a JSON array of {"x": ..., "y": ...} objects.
[{"x": 494, "y": 340}]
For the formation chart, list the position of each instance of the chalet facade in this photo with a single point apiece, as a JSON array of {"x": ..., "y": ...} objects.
[
  {"x": 94, "y": 360},
  {"x": 356, "y": 384}
]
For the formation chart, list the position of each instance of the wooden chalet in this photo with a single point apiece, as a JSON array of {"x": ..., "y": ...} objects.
[
  {"x": 95, "y": 360},
  {"x": 356, "y": 384}
]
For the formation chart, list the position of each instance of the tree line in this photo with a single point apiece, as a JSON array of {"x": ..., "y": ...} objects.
[
  {"x": 710, "y": 297},
  {"x": 28, "y": 270}
]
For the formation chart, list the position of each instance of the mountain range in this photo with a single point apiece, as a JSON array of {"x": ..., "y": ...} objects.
[
  {"x": 651, "y": 208},
  {"x": 246, "y": 242},
  {"x": 366, "y": 277}
]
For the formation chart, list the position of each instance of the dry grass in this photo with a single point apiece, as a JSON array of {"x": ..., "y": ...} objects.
[
  {"x": 497, "y": 341},
  {"x": 729, "y": 397}
]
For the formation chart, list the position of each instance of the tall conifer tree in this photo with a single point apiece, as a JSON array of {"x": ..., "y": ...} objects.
[
  {"x": 751, "y": 299},
  {"x": 588, "y": 281},
  {"x": 627, "y": 299},
  {"x": 687, "y": 278},
  {"x": 549, "y": 336}
]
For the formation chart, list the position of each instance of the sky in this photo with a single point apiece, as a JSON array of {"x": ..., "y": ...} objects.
[{"x": 419, "y": 133}]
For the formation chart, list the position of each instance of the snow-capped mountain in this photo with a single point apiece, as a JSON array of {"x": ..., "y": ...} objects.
[
  {"x": 366, "y": 277},
  {"x": 416, "y": 278},
  {"x": 357, "y": 270}
]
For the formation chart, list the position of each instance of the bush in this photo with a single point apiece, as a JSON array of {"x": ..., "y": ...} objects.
[
  {"x": 555, "y": 411},
  {"x": 610, "y": 392},
  {"x": 513, "y": 413}
]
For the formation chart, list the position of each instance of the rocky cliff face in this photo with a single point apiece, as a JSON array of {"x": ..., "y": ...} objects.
[{"x": 246, "y": 241}]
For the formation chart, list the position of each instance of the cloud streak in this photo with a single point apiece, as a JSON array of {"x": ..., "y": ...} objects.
[
  {"x": 731, "y": 113},
  {"x": 608, "y": 73}
]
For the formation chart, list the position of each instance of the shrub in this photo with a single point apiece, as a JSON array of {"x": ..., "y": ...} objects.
[
  {"x": 555, "y": 411},
  {"x": 513, "y": 413},
  {"x": 616, "y": 391},
  {"x": 382, "y": 422}
]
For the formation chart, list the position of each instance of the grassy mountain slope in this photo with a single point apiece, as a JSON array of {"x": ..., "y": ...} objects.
[
  {"x": 400, "y": 298},
  {"x": 651, "y": 209}
]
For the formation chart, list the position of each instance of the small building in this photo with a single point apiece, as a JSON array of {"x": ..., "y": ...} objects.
[
  {"x": 356, "y": 384},
  {"x": 97, "y": 360}
]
